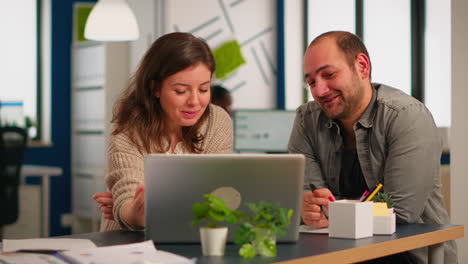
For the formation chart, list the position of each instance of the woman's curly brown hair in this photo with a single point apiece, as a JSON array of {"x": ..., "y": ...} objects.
[{"x": 138, "y": 112}]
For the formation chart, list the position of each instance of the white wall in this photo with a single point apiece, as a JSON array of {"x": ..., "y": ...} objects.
[
  {"x": 294, "y": 48},
  {"x": 251, "y": 23},
  {"x": 144, "y": 12},
  {"x": 46, "y": 87},
  {"x": 458, "y": 137},
  {"x": 437, "y": 95}
]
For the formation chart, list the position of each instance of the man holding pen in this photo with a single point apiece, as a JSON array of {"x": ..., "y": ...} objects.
[{"x": 357, "y": 134}]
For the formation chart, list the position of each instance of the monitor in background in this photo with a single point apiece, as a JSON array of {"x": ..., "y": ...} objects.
[{"x": 262, "y": 130}]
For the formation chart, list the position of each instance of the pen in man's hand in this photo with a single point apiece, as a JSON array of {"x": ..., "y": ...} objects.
[{"x": 322, "y": 207}]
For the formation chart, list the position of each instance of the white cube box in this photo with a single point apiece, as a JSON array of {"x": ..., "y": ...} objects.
[
  {"x": 385, "y": 224},
  {"x": 350, "y": 219}
]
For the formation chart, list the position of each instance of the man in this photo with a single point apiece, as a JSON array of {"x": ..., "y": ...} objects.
[{"x": 357, "y": 134}]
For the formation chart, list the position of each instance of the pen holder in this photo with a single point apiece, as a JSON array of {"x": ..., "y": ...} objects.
[
  {"x": 350, "y": 219},
  {"x": 385, "y": 224}
]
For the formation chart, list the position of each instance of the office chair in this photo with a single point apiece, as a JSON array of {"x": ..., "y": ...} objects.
[{"x": 12, "y": 148}]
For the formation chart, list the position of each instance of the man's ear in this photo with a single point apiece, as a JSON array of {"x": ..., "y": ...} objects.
[{"x": 363, "y": 65}]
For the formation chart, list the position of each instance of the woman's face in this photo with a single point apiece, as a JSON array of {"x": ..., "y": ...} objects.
[{"x": 185, "y": 95}]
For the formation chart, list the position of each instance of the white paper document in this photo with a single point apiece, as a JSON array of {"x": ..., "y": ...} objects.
[
  {"x": 23, "y": 258},
  {"x": 310, "y": 229},
  {"x": 135, "y": 253},
  {"x": 56, "y": 244},
  {"x": 83, "y": 251}
]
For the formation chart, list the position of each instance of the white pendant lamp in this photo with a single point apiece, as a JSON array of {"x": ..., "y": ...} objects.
[{"x": 111, "y": 20}]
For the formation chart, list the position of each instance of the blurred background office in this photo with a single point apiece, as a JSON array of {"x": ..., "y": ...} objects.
[
  {"x": 12, "y": 147},
  {"x": 66, "y": 84},
  {"x": 222, "y": 97}
]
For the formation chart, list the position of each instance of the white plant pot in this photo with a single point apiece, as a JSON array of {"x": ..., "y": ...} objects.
[
  {"x": 213, "y": 240},
  {"x": 385, "y": 225},
  {"x": 350, "y": 219}
]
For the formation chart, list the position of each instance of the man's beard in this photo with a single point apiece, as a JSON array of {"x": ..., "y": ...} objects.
[{"x": 348, "y": 105}]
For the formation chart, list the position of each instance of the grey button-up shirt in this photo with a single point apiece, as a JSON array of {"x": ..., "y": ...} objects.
[{"x": 398, "y": 145}]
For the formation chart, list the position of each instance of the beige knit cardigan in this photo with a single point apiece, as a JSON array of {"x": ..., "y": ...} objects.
[{"x": 125, "y": 162}]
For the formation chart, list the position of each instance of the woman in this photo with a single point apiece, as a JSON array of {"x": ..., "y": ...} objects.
[{"x": 165, "y": 109}]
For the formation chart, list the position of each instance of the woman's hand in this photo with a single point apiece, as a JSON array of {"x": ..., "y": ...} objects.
[
  {"x": 133, "y": 212},
  {"x": 106, "y": 204}
]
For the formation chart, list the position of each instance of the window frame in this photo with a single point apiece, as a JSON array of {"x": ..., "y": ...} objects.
[
  {"x": 417, "y": 43},
  {"x": 39, "y": 71}
]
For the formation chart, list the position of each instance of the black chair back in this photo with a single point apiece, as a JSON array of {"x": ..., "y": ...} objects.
[{"x": 12, "y": 148}]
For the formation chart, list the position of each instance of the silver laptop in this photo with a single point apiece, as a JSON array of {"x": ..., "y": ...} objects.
[{"x": 174, "y": 182}]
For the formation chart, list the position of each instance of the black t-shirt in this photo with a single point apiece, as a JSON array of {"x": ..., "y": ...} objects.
[{"x": 352, "y": 182}]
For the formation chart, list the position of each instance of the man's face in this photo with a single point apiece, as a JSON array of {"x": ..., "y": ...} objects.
[{"x": 336, "y": 86}]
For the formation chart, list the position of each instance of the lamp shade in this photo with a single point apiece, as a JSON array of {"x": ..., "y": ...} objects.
[{"x": 111, "y": 20}]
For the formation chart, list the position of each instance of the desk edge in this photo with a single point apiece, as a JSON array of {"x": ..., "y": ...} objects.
[{"x": 383, "y": 249}]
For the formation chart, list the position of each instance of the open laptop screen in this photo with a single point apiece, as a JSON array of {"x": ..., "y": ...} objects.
[{"x": 173, "y": 183}]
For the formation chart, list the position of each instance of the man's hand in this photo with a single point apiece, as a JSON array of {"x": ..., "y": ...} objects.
[
  {"x": 106, "y": 204},
  {"x": 311, "y": 213}
]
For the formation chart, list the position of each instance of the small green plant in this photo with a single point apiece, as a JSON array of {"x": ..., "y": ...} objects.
[
  {"x": 28, "y": 122},
  {"x": 258, "y": 231},
  {"x": 214, "y": 211},
  {"x": 383, "y": 197}
]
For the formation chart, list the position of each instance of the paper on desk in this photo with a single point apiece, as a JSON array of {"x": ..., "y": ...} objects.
[
  {"x": 57, "y": 244},
  {"x": 21, "y": 258},
  {"x": 310, "y": 229},
  {"x": 134, "y": 253}
]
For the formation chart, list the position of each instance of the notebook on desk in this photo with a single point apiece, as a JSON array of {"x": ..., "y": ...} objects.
[{"x": 174, "y": 182}]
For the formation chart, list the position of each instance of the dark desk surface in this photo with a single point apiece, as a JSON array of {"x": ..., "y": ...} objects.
[{"x": 311, "y": 248}]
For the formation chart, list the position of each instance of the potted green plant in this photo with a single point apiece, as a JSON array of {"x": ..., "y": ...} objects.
[
  {"x": 214, "y": 212},
  {"x": 383, "y": 197},
  {"x": 258, "y": 231},
  {"x": 385, "y": 224}
]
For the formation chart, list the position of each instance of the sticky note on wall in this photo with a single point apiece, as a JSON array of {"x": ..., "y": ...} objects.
[
  {"x": 81, "y": 16},
  {"x": 228, "y": 58},
  {"x": 380, "y": 209}
]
